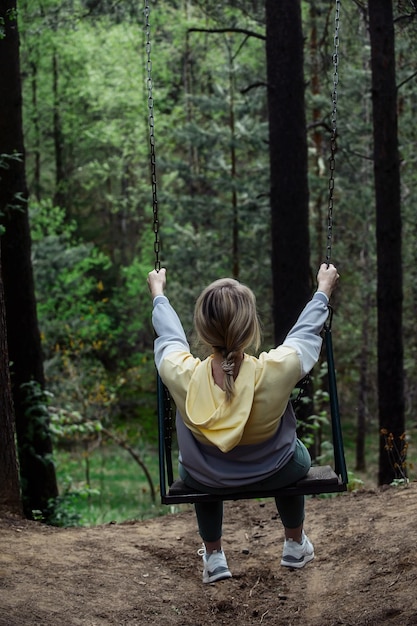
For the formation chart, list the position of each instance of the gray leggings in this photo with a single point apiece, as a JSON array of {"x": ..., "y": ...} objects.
[{"x": 290, "y": 508}]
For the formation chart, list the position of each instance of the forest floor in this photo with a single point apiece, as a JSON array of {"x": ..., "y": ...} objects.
[{"x": 135, "y": 573}]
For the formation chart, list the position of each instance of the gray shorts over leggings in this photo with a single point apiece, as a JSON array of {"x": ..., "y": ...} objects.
[{"x": 290, "y": 508}]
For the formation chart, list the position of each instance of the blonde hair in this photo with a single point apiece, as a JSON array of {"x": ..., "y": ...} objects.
[{"x": 225, "y": 318}]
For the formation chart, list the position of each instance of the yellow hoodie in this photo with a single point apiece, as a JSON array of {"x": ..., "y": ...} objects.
[
  {"x": 262, "y": 387},
  {"x": 251, "y": 417}
]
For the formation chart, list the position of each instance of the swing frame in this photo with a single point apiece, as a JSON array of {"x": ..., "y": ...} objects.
[{"x": 319, "y": 479}]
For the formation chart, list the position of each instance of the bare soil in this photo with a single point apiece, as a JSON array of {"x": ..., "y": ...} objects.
[{"x": 364, "y": 573}]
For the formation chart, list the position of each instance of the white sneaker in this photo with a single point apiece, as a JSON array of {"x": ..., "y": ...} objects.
[
  {"x": 297, "y": 554},
  {"x": 214, "y": 566}
]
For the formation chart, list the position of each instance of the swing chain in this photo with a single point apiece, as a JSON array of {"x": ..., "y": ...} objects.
[
  {"x": 333, "y": 143},
  {"x": 147, "y": 12}
]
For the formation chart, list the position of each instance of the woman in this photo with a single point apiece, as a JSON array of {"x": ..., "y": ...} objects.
[{"x": 236, "y": 428}]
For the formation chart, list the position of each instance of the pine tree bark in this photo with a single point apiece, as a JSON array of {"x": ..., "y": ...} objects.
[
  {"x": 9, "y": 474},
  {"x": 37, "y": 471},
  {"x": 388, "y": 232},
  {"x": 291, "y": 277},
  {"x": 290, "y": 253}
]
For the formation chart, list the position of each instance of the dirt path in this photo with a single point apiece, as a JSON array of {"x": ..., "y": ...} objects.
[{"x": 364, "y": 573}]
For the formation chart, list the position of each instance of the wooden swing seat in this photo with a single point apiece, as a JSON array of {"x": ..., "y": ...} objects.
[{"x": 319, "y": 479}]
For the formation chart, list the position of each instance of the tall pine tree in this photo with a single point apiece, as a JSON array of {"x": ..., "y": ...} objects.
[
  {"x": 288, "y": 163},
  {"x": 37, "y": 471},
  {"x": 388, "y": 234}
]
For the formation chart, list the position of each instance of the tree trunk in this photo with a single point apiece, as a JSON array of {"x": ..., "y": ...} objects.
[
  {"x": 290, "y": 252},
  {"x": 288, "y": 163},
  {"x": 233, "y": 169},
  {"x": 60, "y": 195},
  {"x": 36, "y": 467},
  {"x": 9, "y": 475},
  {"x": 388, "y": 233},
  {"x": 361, "y": 427},
  {"x": 35, "y": 123}
]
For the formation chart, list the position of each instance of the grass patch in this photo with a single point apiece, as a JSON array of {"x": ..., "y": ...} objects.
[{"x": 105, "y": 485}]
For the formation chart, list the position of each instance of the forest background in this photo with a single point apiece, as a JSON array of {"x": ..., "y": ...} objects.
[{"x": 85, "y": 117}]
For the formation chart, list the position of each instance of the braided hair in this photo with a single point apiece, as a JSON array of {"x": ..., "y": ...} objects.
[{"x": 225, "y": 318}]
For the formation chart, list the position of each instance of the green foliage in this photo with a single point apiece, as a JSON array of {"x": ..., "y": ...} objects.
[
  {"x": 116, "y": 490},
  {"x": 35, "y": 403},
  {"x": 10, "y": 16},
  {"x": 70, "y": 280},
  {"x": 85, "y": 113},
  {"x": 65, "y": 510},
  {"x": 83, "y": 326},
  {"x": 30, "y": 445},
  {"x": 311, "y": 428},
  {"x": 72, "y": 427}
]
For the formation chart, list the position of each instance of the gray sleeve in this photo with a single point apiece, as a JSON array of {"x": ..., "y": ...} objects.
[
  {"x": 170, "y": 333},
  {"x": 305, "y": 337}
]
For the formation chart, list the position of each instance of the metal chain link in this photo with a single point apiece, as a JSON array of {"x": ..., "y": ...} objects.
[
  {"x": 333, "y": 136},
  {"x": 164, "y": 398},
  {"x": 147, "y": 12}
]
